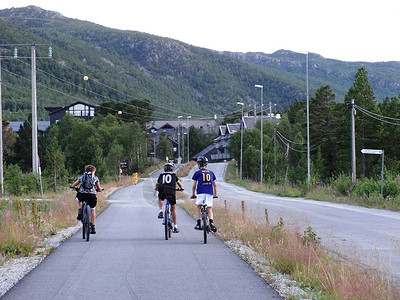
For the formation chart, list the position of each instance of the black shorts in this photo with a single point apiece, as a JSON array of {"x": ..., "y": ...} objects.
[
  {"x": 171, "y": 197},
  {"x": 91, "y": 199}
]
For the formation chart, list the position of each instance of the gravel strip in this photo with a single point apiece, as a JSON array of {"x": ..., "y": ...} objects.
[{"x": 286, "y": 287}]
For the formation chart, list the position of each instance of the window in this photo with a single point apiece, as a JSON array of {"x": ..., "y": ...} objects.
[{"x": 81, "y": 110}]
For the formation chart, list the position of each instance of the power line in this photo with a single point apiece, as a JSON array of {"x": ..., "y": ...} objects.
[{"x": 377, "y": 117}]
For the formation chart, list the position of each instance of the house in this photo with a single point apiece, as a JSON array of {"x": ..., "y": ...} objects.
[
  {"x": 78, "y": 109},
  {"x": 177, "y": 130},
  {"x": 218, "y": 150}
]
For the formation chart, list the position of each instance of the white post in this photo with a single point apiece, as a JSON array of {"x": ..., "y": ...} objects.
[
  {"x": 241, "y": 141},
  {"x": 261, "y": 164},
  {"x": 35, "y": 154},
  {"x": 188, "y": 149}
]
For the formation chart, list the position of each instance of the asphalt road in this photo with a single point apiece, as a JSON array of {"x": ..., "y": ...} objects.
[
  {"x": 129, "y": 258},
  {"x": 370, "y": 235}
]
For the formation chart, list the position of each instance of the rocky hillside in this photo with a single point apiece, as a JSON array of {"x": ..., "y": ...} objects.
[{"x": 176, "y": 77}]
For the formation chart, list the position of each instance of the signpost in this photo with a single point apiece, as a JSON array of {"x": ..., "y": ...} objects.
[{"x": 375, "y": 151}]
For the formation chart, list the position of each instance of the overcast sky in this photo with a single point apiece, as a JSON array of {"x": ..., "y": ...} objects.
[{"x": 349, "y": 30}]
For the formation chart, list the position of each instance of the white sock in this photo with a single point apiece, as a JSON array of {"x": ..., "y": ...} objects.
[{"x": 160, "y": 210}]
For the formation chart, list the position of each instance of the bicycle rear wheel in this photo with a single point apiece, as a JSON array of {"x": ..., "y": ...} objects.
[
  {"x": 87, "y": 223},
  {"x": 166, "y": 224},
  {"x": 204, "y": 220}
]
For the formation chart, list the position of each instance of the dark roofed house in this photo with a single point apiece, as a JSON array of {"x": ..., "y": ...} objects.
[{"x": 78, "y": 109}]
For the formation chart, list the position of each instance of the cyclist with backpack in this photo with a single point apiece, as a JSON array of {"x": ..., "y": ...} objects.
[
  {"x": 166, "y": 187},
  {"x": 90, "y": 185},
  {"x": 206, "y": 187}
]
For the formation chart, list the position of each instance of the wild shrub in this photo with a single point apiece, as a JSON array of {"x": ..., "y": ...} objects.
[
  {"x": 367, "y": 187},
  {"x": 342, "y": 184}
]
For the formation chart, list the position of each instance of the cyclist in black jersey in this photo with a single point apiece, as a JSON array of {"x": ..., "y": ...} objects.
[{"x": 166, "y": 187}]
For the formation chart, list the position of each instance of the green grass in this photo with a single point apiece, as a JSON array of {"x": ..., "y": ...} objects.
[
  {"x": 321, "y": 192},
  {"x": 300, "y": 255}
]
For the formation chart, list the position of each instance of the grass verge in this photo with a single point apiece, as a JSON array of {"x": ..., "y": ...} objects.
[{"x": 301, "y": 256}]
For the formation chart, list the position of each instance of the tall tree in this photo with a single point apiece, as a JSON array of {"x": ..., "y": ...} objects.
[
  {"x": 367, "y": 129},
  {"x": 55, "y": 162},
  {"x": 322, "y": 124}
]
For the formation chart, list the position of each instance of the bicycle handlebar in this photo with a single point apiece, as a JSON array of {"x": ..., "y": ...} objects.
[
  {"x": 194, "y": 197},
  {"x": 77, "y": 189}
]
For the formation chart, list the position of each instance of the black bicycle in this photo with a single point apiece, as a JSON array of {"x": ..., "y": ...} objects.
[
  {"x": 205, "y": 220},
  {"x": 86, "y": 218},
  {"x": 168, "y": 217}
]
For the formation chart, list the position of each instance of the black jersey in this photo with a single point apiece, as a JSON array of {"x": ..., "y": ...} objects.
[{"x": 167, "y": 182}]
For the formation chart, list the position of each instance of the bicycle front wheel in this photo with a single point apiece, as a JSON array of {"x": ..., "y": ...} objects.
[
  {"x": 166, "y": 224},
  {"x": 204, "y": 220}
]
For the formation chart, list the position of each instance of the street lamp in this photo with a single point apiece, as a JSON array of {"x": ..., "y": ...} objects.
[
  {"x": 188, "y": 150},
  {"x": 179, "y": 137},
  {"x": 183, "y": 141},
  {"x": 261, "y": 164},
  {"x": 241, "y": 140},
  {"x": 154, "y": 131}
]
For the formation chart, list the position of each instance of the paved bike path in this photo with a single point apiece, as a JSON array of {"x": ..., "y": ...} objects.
[{"x": 129, "y": 258}]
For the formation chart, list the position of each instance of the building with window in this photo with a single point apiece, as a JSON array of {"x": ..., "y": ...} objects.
[{"x": 78, "y": 109}]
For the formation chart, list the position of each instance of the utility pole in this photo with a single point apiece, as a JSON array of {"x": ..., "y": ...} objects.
[
  {"x": 1, "y": 138},
  {"x": 275, "y": 152},
  {"x": 353, "y": 142},
  {"x": 35, "y": 152}
]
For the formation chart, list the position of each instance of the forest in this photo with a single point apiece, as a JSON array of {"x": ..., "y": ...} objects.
[{"x": 285, "y": 143}]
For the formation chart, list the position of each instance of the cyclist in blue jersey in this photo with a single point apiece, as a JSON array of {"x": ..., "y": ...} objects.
[
  {"x": 206, "y": 187},
  {"x": 166, "y": 187}
]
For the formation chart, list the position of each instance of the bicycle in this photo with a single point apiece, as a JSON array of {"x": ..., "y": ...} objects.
[
  {"x": 168, "y": 217},
  {"x": 205, "y": 220},
  {"x": 86, "y": 219}
]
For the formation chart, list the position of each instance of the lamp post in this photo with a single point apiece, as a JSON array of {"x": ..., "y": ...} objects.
[
  {"x": 154, "y": 141},
  {"x": 183, "y": 141},
  {"x": 241, "y": 140},
  {"x": 261, "y": 164},
  {"x": 188, "y": 149},
  {"x": 179, "y": 137}
]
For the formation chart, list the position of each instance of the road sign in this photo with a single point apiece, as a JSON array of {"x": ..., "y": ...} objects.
[{"x": 371, "y": 151}]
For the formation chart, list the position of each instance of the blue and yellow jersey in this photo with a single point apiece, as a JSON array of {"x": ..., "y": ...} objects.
[{"x": 205, "y": 179}]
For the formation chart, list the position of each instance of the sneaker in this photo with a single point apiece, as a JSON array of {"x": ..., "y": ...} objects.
[
  {"x": 198, "y": 227},
  {"x": 176, "y": 230},
  {"x": 80, "y": 214},
  {"x": 212, "y": 227},
  {"x": 160, "y": 215},
  {"x": 93, "y": 229}
]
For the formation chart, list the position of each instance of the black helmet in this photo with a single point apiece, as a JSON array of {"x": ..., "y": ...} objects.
[
  {"x": 168, "y": 167},
  {"x": 202, "y": 160}
]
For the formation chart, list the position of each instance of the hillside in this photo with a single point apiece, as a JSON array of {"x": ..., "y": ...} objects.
[{"x": 176, "y": 77}]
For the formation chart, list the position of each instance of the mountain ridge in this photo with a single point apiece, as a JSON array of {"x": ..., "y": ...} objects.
[{"x": 179, "y": 76}]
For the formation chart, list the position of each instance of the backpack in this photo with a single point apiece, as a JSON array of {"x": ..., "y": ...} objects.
[{"x": 87, "y": 182}]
